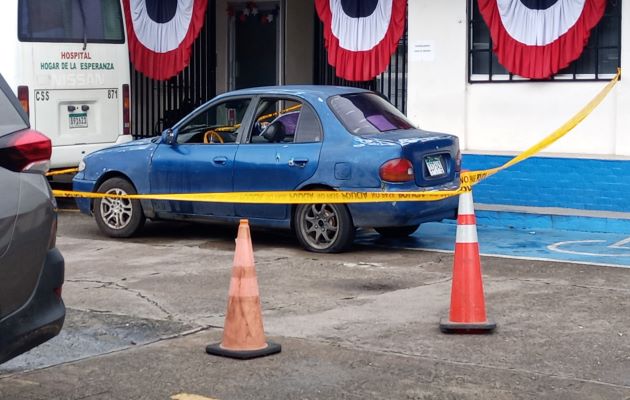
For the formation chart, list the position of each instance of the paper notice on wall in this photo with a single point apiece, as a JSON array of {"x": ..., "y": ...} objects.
[{"x": 423, "y": 50}]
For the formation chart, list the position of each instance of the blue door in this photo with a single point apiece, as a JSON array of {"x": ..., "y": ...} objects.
[
  {"x": 201, "y": 159},
  {"x": 262, "y": 167},
  {"x": 193, "y": 168},
  {"x": 280, "y": 156}
]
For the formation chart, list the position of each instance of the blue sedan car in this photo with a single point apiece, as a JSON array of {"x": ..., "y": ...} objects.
[{"x": 279, "y": 138}]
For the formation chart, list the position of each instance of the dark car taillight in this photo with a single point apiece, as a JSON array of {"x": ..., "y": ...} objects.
[
  {"x": 126, "y": 110},
  {"x": 397, "y": 170},
  {"x": 458, "y": 161},
  {"x": 23, "y": 98},
  {"x": 26, "y": 150}
]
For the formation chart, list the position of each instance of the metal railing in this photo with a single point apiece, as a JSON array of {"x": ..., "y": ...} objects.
[{"x": 156, "y": 105}]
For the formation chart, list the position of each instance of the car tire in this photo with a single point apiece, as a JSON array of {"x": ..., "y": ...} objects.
[
  {"x": 397, "y": 231},
  {"x": 119, "y": 218},
  {"x": 324, "y": 228}
]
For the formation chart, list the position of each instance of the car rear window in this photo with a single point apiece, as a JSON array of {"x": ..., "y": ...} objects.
[
  {"x": 66, "y": 21},
  {"x": 10, "y": 118},
  {"x": 367, "y": 114}
]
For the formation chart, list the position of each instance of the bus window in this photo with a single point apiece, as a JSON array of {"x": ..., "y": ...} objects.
[{"x": 65, "y": 21}]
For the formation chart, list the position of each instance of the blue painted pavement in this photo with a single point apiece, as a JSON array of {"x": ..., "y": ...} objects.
[{"x": 543, "y": 244}]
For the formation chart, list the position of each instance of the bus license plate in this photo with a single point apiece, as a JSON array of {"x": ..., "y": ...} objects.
[
  {"x": 78, "y": 120},
  {"x": 434, "y": 165}
]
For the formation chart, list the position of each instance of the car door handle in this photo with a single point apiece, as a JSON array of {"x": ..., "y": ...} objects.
[
  {"x": 298, "y": 162},
  {"x": 221, "y": 160}
]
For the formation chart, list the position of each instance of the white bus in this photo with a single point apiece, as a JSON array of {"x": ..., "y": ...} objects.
[{"x": 68, "y": 63}]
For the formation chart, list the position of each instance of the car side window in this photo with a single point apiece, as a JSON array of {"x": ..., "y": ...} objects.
[
  {"x": 218, "y": 124},
  {"x": 276, "y": 121},
  {"x": 309, "y": 128}
]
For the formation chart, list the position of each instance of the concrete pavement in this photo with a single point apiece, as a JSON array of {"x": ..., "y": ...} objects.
[{"x": 362, "y": 324}]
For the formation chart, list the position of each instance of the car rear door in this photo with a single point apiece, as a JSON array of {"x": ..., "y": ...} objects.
[
  {"x": 26, "y": 209},
  {"x": 9, "y": 196},
  {"x": 261, "y": 165}
]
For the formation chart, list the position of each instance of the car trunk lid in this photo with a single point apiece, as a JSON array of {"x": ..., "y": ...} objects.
[{"x": 433, "y": 155}]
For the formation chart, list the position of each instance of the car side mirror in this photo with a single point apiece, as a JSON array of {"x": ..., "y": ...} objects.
[{"x": 168, "y": 136}]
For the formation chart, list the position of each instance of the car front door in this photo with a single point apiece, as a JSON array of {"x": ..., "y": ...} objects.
[
  {"x": 200, "y": 159},
  {"x": 279, "y": 153}
]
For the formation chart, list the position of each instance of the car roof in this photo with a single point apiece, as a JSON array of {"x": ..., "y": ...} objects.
[{"x": 321, "y": 91}]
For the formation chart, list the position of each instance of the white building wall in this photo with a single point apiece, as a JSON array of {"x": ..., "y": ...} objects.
[{"x": 504, "y": 117}]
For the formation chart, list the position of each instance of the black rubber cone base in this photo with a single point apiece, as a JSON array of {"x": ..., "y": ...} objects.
[
  {"x": 217, "y": 350},
  {"x": 447, "y": 326}
]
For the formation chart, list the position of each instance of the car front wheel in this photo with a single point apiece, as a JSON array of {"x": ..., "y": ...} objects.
[
  {"x": 118, "y": 217},
  {"x": 324, "y": 228}
]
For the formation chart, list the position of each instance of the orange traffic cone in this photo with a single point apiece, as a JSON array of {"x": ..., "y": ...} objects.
[
  {"x": 243, "y": 335},
  {"x": 468, "y": 308}
]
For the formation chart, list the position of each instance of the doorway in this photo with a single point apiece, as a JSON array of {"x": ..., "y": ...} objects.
[{"x": 255, "y": 44}]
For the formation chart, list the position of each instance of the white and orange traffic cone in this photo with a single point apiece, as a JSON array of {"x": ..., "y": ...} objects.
[
  {"x": 243, "y": 334},
  {"x": 468, "y": 309}
]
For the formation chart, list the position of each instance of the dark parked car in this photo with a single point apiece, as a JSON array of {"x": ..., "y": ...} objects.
[
  {"x": 31, "y": 267},
  {"x": 277, "y": 139}
]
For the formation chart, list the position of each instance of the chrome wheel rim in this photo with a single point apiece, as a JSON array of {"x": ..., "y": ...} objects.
[
  {"x": 320, "y": 225},
  {"x": 116, "y": 213}
]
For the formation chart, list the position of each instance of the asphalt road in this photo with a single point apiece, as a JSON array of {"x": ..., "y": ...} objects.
[{"x": 358, "y": 325}]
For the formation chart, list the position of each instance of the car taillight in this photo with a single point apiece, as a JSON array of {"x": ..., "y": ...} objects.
[
  {"x": 23, "y": 98},
  {"x": 125, "y": 110},
  {"x": 397, "y": 170},
  {"x": 57, "y": 291},
  {"x": 26, "y": 150},
  {"x": 458, "y": 161}
]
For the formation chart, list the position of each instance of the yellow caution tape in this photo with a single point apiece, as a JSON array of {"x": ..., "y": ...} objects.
[
  {"x": 467, "y": 178},
  {"x": 473, "y": 177},
  {"x": 274, "y": 114},
  {"x": 283, "y": 197},
  {"x": 62, "y": 171}
]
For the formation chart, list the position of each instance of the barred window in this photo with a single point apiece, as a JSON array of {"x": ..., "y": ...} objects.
[{"x": 599, "y": 60}]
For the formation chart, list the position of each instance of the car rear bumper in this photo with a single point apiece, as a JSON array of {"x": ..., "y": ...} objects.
[
  {"x": 402, "y": 213},
  {"x": 41, "y": 318}
]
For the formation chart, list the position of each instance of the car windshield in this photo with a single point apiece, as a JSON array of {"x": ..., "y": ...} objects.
[
  {"x": 70, "y": 21},
  {"x": 367, "y": 114}
]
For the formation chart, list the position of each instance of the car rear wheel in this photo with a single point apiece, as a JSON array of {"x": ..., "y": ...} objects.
[
  {"x": 397, "y": 231},
  {"x": 118, "y": 217},
  {"x": 324, "y": 228}
]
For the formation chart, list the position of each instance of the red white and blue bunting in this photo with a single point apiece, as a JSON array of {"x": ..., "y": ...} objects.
[
  {"x": 361, "y": 35},
  {"x": 161, "y": 33},
  {"x": 537, "y": 38},
  {"x": 251, "y": 11}
]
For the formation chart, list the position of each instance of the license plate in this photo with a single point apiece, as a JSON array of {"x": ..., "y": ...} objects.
[
  {"x": 78, "y": 120},
  {"x": 434, "y": 165}
]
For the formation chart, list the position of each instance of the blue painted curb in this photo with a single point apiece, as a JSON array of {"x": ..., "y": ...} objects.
[{"x": 541, "y": 221}]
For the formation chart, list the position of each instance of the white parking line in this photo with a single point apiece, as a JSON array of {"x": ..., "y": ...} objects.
[{"x": 618, "y": 245}]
